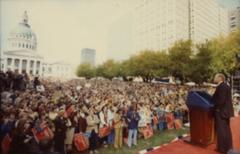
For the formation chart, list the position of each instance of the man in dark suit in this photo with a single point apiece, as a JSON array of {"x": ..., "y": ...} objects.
[{"x": 223, "y": 113}]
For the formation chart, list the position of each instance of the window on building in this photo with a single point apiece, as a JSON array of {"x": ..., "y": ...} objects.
[
  {"x": 16, "y": 62},
  {"x": 9, "y": 61},
  {"x": 50, "y": 70},
  {"x": 24, "y": 64},
  {"x": 38, "y": 64},
  {"x": 19, "y": 45},
  {"x": 23, "y": 45},
  {"x": 26, "y": 45},
  {"x": 31, "y": 63}
]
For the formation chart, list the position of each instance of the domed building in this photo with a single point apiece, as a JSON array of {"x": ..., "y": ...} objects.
[{"x": 21, "y": 54}]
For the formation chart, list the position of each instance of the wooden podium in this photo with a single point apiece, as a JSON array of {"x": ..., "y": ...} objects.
[{"x": 201, "y": 118}]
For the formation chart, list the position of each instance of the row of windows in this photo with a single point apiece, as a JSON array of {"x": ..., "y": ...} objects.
[
  {"x": 24, "y": 71},
  {"x": 27, "y": 36},
  {"x": 49, "y": 69},
  {"x": 23, "y": 45},
  {"x": 17, "y": 62}
]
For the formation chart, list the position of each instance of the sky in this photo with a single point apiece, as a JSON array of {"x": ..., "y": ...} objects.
[{"x": 64, "y": 27}]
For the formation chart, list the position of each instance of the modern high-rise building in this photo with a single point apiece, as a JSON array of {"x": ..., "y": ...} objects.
[
  {"x": 207, "y": 20},
  {"x": 234, "y": 19},
  {"x": 223, "y": 19},
  {"x": 158, "y": 24},
  {"x": 88, "y": 56}
]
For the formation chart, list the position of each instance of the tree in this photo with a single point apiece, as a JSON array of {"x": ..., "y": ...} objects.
[
  {"x": 180, "y": 59},
  {"x": 225, "y": 50},
  {"x": 109, "y": 69},
  {"x": 85, "y": 70},
  {"x": 217, "y": 55},
  {"x": 147, "y": 64},
  {"x": 202, "y": 63}
]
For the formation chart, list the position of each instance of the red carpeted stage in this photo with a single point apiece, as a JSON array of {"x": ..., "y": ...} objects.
[{"x": 182, "y": 147}]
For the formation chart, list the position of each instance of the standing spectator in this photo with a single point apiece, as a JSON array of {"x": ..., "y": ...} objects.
[
  {"x": 82, "y": 122},
  {"x": 161, "y": 117},
  {"x": 92, "y": 124},
  {"x": 71, "y": 124},
  {"x": 118, "y": 127},
  {"x": 60, "y": 133},
  {"x": 36, "y": 82},
  {"x": 9, "y": 79},
  {"x": 110, "y": 117},
  {"x": 132, "y": 118},
  {"x": 103, "y": 123}
]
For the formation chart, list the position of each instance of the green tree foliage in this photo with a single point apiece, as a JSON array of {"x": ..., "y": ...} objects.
[
  {"x": 180, "y": 59},
  {"x": 224, "y": 50},
  {"x": 201, "y": 64},
  {"x": 109, "y": 69},
  {"x": 85, "y": 70},
  {"x": 147, "y": 64},
  {"x": 183, "y": 60}
]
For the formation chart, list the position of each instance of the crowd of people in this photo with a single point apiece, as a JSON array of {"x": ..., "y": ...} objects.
[{"x": 30, "y": 106}]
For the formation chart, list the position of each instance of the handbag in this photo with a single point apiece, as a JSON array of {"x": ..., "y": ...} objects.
[
  {"x": 104, "y": 131},
  {"x": 81, "y": 142}
]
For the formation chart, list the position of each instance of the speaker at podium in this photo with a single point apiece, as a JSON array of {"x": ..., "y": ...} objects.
[{"x": 201, "y": 115}]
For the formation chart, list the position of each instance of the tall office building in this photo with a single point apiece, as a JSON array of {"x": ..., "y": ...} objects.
[
  {"x": 158, "y": 24},
  {"x": 88, "y": 56},
  {"x": 207, "y": 20},
  {"x": 223, "y": 19},
  {"x": 234, "y": 19}
]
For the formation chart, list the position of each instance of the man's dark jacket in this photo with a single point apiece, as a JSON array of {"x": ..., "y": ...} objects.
[{"x": 223, "y": 101}]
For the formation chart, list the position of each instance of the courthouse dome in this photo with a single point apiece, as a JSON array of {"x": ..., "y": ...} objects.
[{"x": 22, "y": 37}]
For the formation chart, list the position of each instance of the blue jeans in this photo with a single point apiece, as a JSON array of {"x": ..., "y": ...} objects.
[
  {"x": 165, "y": 125},
  {"x": 132, "y": 137},
  {"x": 87, "y": 134},
  {"x": 111, "y": 137},
  {"x": 161, "y": 126}
]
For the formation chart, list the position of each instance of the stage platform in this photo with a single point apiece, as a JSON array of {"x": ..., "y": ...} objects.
[{"x": 182, "y": 147}]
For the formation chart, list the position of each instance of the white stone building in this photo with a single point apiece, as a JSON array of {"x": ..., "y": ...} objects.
[
  {"x": 59, "y": 70},
  {"x": 21, "y": 54}
]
